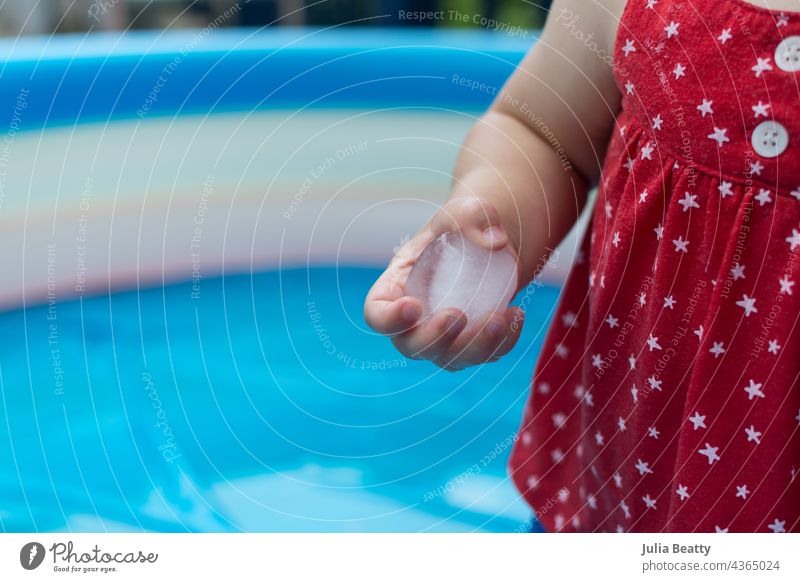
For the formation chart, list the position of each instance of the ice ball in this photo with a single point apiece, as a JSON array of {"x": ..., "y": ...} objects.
[{"x": 452, "y": 271}]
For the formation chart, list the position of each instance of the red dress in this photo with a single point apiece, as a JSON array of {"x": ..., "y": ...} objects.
[{"x": 667, "y": 394}]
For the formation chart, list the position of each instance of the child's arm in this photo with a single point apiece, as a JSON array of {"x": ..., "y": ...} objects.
[{"x": 524, "y": 170}]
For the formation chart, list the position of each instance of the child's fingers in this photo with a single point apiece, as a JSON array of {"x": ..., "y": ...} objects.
[
  {"x": 482, "y": 349},
  {"x": 389, "y": 317},
  {"x": 478, "y": 347},
  {"x": 432, "y": 337}
]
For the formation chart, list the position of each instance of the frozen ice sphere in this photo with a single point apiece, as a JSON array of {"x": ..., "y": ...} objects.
[{"x": 455, "y": 272}]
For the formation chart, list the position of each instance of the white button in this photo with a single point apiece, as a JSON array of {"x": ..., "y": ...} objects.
[
  {"x": 787, "y": 55},
  {"x": 770, "y": 139}
]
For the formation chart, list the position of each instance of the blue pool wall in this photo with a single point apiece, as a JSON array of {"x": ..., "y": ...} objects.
[{"x": 100, "y": 77}]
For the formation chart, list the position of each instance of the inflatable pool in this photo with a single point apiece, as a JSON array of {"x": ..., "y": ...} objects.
[{"x": 191, "y": 221}]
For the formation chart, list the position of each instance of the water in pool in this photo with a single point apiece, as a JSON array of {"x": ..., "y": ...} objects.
[{"x": 250, "y": 403}]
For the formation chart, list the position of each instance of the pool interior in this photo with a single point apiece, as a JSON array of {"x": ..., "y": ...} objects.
[{"x": 256, "y": 402}]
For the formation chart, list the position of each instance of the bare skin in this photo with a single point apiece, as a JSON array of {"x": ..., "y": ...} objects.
[{"x": 520, "y": 181}]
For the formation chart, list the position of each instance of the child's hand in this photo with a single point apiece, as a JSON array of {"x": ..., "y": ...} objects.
[
  {"x": 441, "y": 337},
  {"x": 531, "y": 158}
]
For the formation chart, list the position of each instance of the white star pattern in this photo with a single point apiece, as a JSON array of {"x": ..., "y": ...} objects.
[
  {"x": 652, "y": 432},
  {"x": 559, "y": 419},
  {"x": 683, "y": 492},
  {"x": 612, "y": 321},
  {"x": 786, "y": 285},
  {"x": 643, "y": 467},
  {"x": 621, "y": 424},
  {"x": 737, "y": 271},
  {"x": 629, "y": 164},
  {"x": 634, "y": 394},
  {"x": 778, "y": 526},
  {"x": 719, "y": 136},
  {"x": 688, "y": 201},
  {"x": 681, "y": 245},
  {"x": 761, "y": 66},
  {"x": 647, "y": 151},
  {"x": 659, "y": 230},
  {"x": 669, "y": 302},
  {"x": 753, "y": 390},
  {"x": 657, "y": 122},
  {"x": 763, "y": 196},
  {"x": 649, "y": 502},
  {"x": 672, "y": 29},
  {"x": 569, "y": 319},
  {"x": 748, "y": 304},
  {"x": 794, "y": 239},
  {"x": 599, "y": 438},
  {"x": 774, "y": 346},
  {"x": 742, "y": 491},
  {"x": 679, "y": 71},
  {"x": 711, "y": 453},
  {"x": 705, "y": 108},
  {"x": 783, "y": 20},
  {"x": 698, "y": 420},
  {"x": 725, "y": 189},
  {"x": 699, "y": 333},
  {"x": 616, "y": 239},
  {"x": 651, "y": 4},
  {"x": 760, "y": 109},
  {"x": 795, "y": 193},
  {"x": 655, "y": 383},
  {"x": 629, "y": 87},
  {"x": 753, "y": 435},
  {"x": 718, "y": 349},
  {"x": 756, "y": 168},
  {"x": 652, "y": 343},
  {"x": 725, "y": 35},
  {"x": 718, "y": 529},
  {"x": 628, "y": 48},
  {"x": 625, "y": 509}
]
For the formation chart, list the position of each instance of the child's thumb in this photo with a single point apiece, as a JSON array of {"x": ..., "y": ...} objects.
[{"x": 492, "y": 237}]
